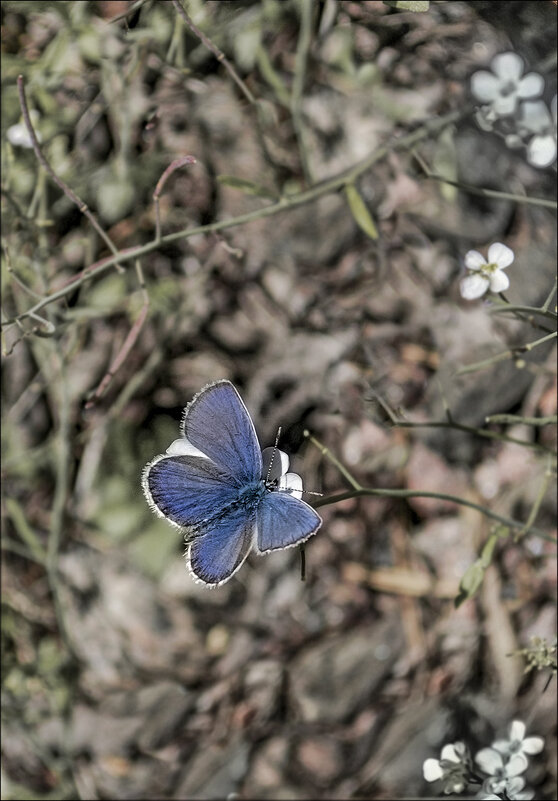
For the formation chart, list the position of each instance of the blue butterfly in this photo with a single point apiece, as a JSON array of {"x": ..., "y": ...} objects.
[{"x": 229, "y": 496}]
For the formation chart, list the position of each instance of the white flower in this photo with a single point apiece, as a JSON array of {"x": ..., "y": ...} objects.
[
  {"x": 500, "y": 770},
  {"x": 517, "y": 743},
  {"x": 274, "y": 471},
  {"x": 505, "y": 85},
  {"x": 515, "y": 790},
  {"x": 18, "y": 135},
  {"x": 275, "y": 466},
  {"x": 538, "y": 120},
  {"x": 483, "y": 274},
  {"x": 452, "y": 766}
]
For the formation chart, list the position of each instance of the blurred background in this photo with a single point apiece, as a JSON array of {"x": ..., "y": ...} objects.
[{"x": 122, "y": 678}]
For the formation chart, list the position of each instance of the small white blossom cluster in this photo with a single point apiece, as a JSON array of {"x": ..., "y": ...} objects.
[
  {"x": 486, "y": 274},
  {"x": 502, "y": 765},
  {"x": 509, "y": 108}
]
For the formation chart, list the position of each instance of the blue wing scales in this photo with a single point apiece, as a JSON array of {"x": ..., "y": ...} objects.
[
  {"x": 217, "y": 422},
  {"x": 223, "y": 547},
  {"x": 186, "y": 489},
  {"x": 283, "y": 521}
]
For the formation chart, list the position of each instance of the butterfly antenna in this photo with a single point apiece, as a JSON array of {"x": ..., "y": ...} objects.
[{"x": 275, "y": 448}]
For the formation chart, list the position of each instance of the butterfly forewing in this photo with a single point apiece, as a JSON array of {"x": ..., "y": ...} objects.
[
  {"x": 224, "y": 546},
  {"x": 217, "y": 422},
  {"x": 187, "y": 490}
]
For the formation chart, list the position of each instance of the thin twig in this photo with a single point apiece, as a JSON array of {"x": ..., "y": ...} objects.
[
  {"x": 302, "y": 49},
  {"x": 130, "y": 10},
  {"x": 219, "y": 55},
  {"x": 526, "y": 314},
  {"x": 62, "y": 451},
  {"x": 180, "y": 162},
  {"x": 512, "y": 419},
  {"x": 403, "y": 494},
  {"x": 261, "y": 116},
  {"x": 512, "y": 353},
  {"x": 25, "y": 531},
  {"x": 129, "y": 343},
  {"x": 45, "y": 328},
  {"x": 135, "y": 382},
  {"x": 83, "y": 207},
  {"x": 451, "y": 423},
  {"x": 537, "y": 504},
  {"x": 15, "y": 547},
  {"x": 393, "y": 493},
  {"x": 15, "y": 277},
  {"x": 479, "y": 432},
  {"x": 23, "y": 285},
  {"x": 509, "y": 308},
  {"x": 334, "y": 460},
  {"x": 62, "y": 486},
  {"x": 482, "y": 191},
  {"x": 270, "y": 75},
  {"x": 551, "y": 294},
  {"x": 287, "y": 203}
]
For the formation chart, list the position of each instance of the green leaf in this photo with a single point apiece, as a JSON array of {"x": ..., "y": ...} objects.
[
  {"x": 248, "y": 187},
  {"x": 445, "y": 162},
  {"x": 360, "y": 212},
  {"x": 470, "y": 583},
  {"x": 489, "y": 546},
  {"x": 474, "y": 575},
  {"x": 408, "y": 5}
]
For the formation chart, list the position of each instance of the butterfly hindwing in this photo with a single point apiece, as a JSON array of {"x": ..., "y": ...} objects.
[
  {"x": 224, "y": 546},
  {"x": 283, "y": 521}
]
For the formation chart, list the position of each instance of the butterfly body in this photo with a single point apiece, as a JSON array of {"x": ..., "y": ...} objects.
[
  {"x": 212, "y": 483},
  {"x": 250, "y": 495},
  {"x": 247, "y": 500}
]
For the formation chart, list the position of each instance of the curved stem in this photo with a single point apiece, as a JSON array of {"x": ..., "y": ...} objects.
[
  {"x": 333, "y": 459},
  {"x": 482, "y": 191},
  {"x": 512, "y": 353},
  {"x": 174, "y": 165},
  {"x": 508, "y": 307},
  {"x": 83, "y": 207},
  {"x": 400, "y": 493},
  {"x": 360, "y": 491},
  {"x": 517, "y": 418},
  {"x": 303, "y": 46},
  {"x": 451, "y": 423},
  {"x": 219, "y": 55},
  {"x": 287, "y": 203}
]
